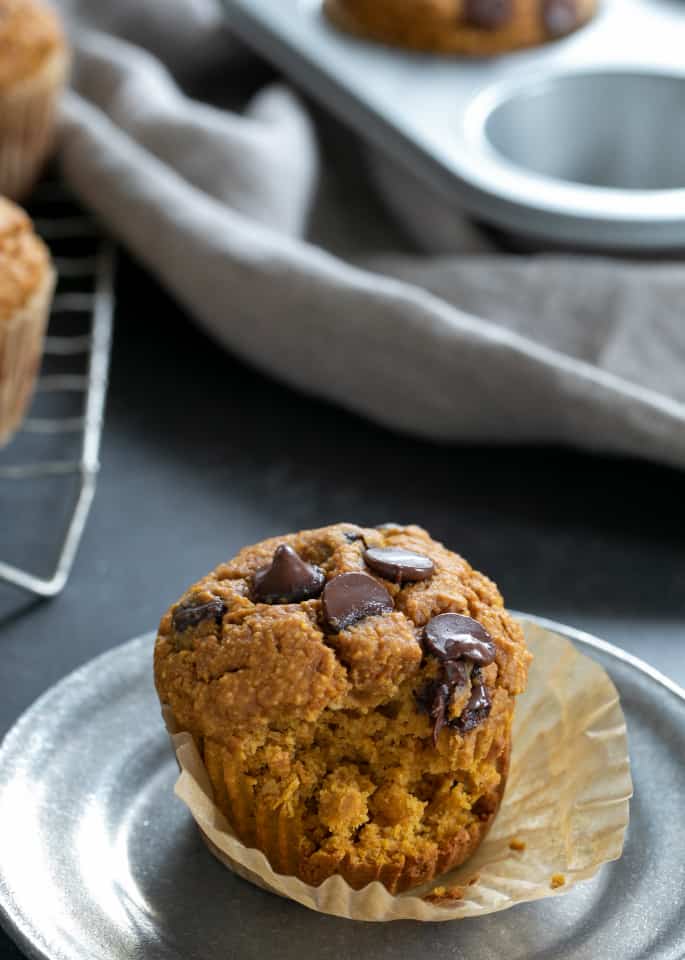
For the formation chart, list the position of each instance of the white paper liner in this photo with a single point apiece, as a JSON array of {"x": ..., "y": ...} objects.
[{"x": 567, "y": 801}]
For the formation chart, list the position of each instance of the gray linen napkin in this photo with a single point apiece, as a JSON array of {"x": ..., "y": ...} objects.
[{"x": 472, "y": 346}]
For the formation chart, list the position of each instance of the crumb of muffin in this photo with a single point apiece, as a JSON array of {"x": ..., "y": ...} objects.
[
  {"x": 558, "y": 880},
  {"x": 30, "y": 33},
  {"x": 309, "y": 715},
  {"x": 444, "y": 896},
  {"x": 516, "y": 844}
]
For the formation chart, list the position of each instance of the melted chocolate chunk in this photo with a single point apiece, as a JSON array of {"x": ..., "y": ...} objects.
[
  {"x": 457, "y": 640},
  {"x": 438, "y": 710},
  {"x": 559, "y": 16},
  {"x": 190, "y": 615},
  {"x": 437, "y": 695},
  {"x": 398, "y": 565},
  {"x": 433, "y": 699},
  {"x": 287, "y": 579},
  {"x": 352, "y": 536},
  {"x": 350, "y": 597},
  {"x": 487, "y": 14},
  {"x": 454, "y": 672},
  {"x": 451, "y": 636},
  {"x": 477, "y": 709},
  {"x": 424, "y": 696}
]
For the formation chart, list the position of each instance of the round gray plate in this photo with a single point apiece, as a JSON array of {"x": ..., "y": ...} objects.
[{"x": 99, "y": 860}]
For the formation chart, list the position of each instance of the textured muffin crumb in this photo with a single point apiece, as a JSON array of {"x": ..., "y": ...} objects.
[
  {"x": 444, "y": 896},
  {"x": 30, "y": 32},
  {"x": 316, "y": 740},
  {"x": 24, "y": 259}
]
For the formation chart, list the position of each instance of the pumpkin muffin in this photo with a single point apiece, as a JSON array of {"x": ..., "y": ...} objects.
[
  {"x": 27, "y": 281},
  {"x": 469, "y": 27},
  {"x": 351, "y": 691},
  {"x": 33, "y": 70}
]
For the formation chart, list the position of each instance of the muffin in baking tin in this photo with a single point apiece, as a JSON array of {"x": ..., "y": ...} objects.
[{"x": 469, "y": 27}]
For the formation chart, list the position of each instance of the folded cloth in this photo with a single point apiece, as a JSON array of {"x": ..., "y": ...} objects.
[{"x": 476, "y": 346}]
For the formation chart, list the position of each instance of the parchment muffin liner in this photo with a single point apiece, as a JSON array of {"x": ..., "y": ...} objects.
[
  {"x": 564, "y": 814},
  {"x": 21, "y": 349},
  {"x": 28, "y": 114}
]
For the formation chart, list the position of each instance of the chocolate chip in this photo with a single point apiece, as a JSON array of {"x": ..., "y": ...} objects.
[
  {"x": 352, "y": 536},
  {"x": 437, "y": 695},
  {"x": 454, "y": 672},
  {"x": 455, "y": 640},
  {"x": 350, "y": 597},
  {"x": 559, "y": 16},
  {"x": 451, "y": 636},
  {"x": 433, "y": 699},
  {"x": 487, "y": 14},
  {"x": 287, "y": 579},
  {"x": 477, "y": 709},
  {"x": 438, "y": 711},
  {"x": 191, "y": 614},
  {"x": 399, "y": 565}
]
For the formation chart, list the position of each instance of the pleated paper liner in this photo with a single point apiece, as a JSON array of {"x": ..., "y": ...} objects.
[
  {"x": 21, "y": 350},
  {"x": 28, "y": 117},
  {"x": 564, "y": 814}
]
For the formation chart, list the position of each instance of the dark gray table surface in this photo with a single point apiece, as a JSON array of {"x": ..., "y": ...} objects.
[{"x": 202, "y": 455}]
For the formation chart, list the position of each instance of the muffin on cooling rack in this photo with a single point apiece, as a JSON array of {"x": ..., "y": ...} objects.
[
  {"x": 351, "y": 691},
  {"x": 470, "y": 27},
  {"x": 33, "y": 70},
  {"x": 26, "y": 285}
]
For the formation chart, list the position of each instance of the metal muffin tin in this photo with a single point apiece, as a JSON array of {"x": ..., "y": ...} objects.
[{"x": 579, "y": 142}]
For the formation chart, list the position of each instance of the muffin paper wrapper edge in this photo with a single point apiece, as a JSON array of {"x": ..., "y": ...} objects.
[
  {"x": 21, "y": 348},
  {"x": 28, "y": 116},
  {"x": 566, "y": 804}
]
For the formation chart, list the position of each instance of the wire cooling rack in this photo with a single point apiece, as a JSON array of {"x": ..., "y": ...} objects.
[{"x": 48, "y": 471}]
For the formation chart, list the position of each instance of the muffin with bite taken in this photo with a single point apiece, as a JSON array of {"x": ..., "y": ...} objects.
[{"x": 351, "y": 691}]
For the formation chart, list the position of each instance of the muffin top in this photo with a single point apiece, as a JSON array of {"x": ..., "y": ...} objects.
[
  {"x": 24, "y": 259},
  {"x": 338, "y": 618},
  {"x": 30, "y": 32}
]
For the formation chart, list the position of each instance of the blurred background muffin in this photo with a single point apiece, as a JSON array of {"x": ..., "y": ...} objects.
[
  {"x": 471, "y": 27},
  {"x": 33, "y": 70},
  {"x": 27, "y": 281},
  {"x": 351, "y": 691}
]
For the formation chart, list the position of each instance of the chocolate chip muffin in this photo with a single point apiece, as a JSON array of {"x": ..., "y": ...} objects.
[
  {"x": 351, "y": 691},
  {"x": 471, "y": 27}
]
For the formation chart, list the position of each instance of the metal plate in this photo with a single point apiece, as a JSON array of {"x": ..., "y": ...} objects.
[
  {"x": 99, "y": 860},
  {"x": 578, "y": 142}
]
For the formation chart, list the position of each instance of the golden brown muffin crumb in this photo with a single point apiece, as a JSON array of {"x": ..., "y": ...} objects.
[
  {"x": 315, "y": 737},
  {"x": 30, "y": 32},
  {"x": 558, "y": 880},
  {"x": 444, "y": 896},
  {"x": 24, "y": 259},
  {"x": 517, "y": 845}
]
